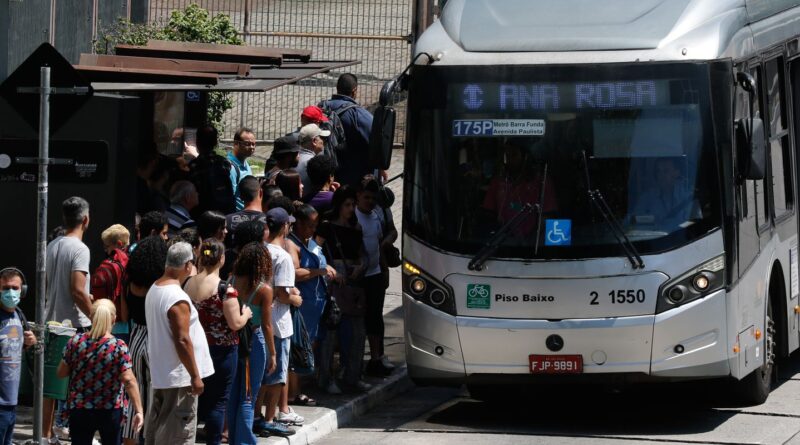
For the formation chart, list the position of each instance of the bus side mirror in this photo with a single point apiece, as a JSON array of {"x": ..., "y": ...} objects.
[
  {"x": 746, "y": 81},
  {"x": 751, "y": 148},
  {"x": 381, "y": 137},
  {"x": 385, "y": 98}
]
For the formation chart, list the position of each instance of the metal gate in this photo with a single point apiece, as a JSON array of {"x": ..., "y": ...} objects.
[{"x": 377, "y": 32}]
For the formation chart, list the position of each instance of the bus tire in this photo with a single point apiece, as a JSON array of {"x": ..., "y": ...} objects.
[{"x": 755, "y": 388}]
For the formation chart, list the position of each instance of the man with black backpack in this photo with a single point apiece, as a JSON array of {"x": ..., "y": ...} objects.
[
  {"x": 211, "y": 175},
  {"x": 350, "y": 127}
]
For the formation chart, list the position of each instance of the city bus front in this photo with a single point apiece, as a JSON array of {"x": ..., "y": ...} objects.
[{"x": 565, "y": 220}]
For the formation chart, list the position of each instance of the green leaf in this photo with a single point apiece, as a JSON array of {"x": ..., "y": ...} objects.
[{"x": 192, "y": 24}]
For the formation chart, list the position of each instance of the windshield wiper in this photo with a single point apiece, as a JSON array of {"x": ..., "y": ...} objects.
[
  {"x": 502, "y": 233},
  {"x": 616, "y": 228}
]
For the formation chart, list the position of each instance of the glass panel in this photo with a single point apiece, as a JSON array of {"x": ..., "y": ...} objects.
[
  {"x": 761, "y": 198},
  {"x": 509, "y": 136},
  {"x": 168, "y": 110},
  {"x": 780, "y": 198},
  {"x": 774, "y": 86}
]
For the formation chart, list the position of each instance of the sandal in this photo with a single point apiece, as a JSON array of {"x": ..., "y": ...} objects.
[{"x": 303, "y": 400}]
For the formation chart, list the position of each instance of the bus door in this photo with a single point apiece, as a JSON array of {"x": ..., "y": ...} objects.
[
  {"x": 750, "y": 198},
  {"x": 793, "y": 98}
]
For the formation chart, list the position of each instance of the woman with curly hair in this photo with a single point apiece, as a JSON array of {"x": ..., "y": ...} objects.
[
  {"x": 250, "y": 277},
  {"x": 221, "y": 316},
  {"x": 145, "y": 266}
]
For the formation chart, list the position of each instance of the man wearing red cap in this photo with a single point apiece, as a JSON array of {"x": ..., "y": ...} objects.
[{"x": 314, "y": 115}]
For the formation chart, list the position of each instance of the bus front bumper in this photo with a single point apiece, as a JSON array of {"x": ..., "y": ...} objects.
[{"x": 684, "y": 343}]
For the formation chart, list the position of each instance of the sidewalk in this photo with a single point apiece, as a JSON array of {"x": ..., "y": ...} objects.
[{"x": 332, "y": 412}]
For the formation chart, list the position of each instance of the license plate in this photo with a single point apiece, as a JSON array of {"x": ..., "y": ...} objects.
[{"x": 556, "y": 364}]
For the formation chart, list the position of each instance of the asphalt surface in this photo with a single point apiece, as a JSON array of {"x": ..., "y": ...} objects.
[{"x": 698, "y": 413}]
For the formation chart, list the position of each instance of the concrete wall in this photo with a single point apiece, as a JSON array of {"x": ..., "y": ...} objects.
[{"x": 25, "y": 24}]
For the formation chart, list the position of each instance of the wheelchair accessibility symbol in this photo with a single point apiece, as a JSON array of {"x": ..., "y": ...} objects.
[{"x": 558, "y": 232}]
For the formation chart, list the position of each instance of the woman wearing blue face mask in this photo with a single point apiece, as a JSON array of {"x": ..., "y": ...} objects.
[{"x": 14, "y": 334}]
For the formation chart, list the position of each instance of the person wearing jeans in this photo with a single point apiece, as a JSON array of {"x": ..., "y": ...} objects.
[
  {"x": 341, "y": 237},
  {"x": 99, "y": 366},
  {"x": 251, "y": 271},
  {"x": 14, "y": 335},
  {"x": 221, "y": 316}
]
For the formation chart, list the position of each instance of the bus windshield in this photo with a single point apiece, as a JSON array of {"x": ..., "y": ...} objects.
[{"x": 485, "y": 141}]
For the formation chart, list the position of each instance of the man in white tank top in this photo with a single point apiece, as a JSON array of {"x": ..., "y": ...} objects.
[{"x": 179, "y": 356}]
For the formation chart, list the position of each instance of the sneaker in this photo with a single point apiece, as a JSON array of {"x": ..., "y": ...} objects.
[
  {"x": 276, "y": 429},
  {"x": 290, "y": 418},
  {"x": 360, "y": 386},
  {"x": 96, "y": 442},
  {"x": 386, "y": 363},
  {"x": 53, "y": 440},
  {"x": 375, "y": 368},
  {"x": 333, "y": 389},
  {"x": 61, "y": 432},
  {"x": 259, "y": 424}
]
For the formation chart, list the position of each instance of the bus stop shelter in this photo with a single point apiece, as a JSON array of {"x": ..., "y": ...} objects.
[{"x": 124, "y": 102}]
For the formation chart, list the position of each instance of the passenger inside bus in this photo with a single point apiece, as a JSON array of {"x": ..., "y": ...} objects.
[{"x": 518, "y": 183}]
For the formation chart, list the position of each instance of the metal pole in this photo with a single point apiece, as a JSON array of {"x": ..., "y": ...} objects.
[{"x": 41, "y": 244}]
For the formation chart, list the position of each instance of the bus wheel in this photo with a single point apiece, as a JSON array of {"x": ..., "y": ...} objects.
[{"x": 754, "y": 389}]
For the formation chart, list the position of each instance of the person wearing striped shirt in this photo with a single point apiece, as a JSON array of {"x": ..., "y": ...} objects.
[{"x": 183, "y": 198}]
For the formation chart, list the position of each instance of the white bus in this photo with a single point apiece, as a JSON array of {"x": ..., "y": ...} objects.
[{"x": 602, "y": 190}]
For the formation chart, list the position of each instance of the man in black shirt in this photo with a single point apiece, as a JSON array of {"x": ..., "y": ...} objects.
[{"x": 251, "y": 194}]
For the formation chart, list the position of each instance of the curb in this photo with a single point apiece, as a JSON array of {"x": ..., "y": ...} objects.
[{"x": 333, "y": 419}]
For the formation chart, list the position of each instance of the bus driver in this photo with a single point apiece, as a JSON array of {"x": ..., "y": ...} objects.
[{"x": 668, "y": 202}]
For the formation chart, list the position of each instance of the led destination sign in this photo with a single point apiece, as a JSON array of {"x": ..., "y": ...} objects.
[{"x": 560, "y": 96}]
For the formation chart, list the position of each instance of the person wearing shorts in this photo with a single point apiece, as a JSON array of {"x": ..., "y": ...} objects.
[
  {"x": 281, "y": 373},
  {"x": 274, "y": 384}
]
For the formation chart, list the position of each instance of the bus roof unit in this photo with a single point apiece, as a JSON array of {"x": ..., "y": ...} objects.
[{"x": 590, "y": 31}]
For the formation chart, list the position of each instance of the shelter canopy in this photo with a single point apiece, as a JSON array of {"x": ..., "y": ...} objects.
[{"x": 183, "y": 66}]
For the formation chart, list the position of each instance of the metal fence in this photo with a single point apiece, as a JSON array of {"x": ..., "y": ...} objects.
[{"x": 376, "y": 32}]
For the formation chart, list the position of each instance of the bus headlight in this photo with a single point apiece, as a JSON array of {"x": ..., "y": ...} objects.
[
  {"x": 417, "y": 285},
  {"x": 425, "y": 289},
  {"x": 694, "y": 284}
]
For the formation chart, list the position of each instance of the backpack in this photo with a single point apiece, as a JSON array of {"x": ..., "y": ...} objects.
[
  {"x": 301, "y": 356},
  {"x": 211, "y": 176},
  {"x": 337, "y": 141},
  {"x": 107, "y": 279}
]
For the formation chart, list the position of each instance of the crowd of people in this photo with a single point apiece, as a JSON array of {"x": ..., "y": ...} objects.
[{"x": 228, "y": 293}]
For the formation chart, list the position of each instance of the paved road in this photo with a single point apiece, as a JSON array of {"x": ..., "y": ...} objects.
[{"x": 685, "y": 413}]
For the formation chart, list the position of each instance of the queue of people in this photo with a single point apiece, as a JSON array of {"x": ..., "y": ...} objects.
[{"x": 201, "y": 310}]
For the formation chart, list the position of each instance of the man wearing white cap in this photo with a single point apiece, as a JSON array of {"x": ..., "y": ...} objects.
[{"x": 311, "y": 143}]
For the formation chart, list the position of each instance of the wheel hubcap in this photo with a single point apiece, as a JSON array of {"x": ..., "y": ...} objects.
[{"x": 769, "y": 360}]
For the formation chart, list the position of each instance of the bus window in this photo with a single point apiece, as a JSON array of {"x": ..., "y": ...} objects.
[
  {"x": 759, "y": 185},
  {"x": 781, "y": 158}
]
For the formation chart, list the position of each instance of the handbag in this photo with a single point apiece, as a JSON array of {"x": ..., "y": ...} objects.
[
  {"x": 245, "y": 334},
  {"x": 390, "y": 253},
  {"x": 331, "y": 315},
  {"x": 301, "y": 355},
  {"x": 349, "y": 300}
]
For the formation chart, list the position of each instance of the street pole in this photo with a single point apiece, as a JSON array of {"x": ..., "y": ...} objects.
[{"x": 41, "y": 245}]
